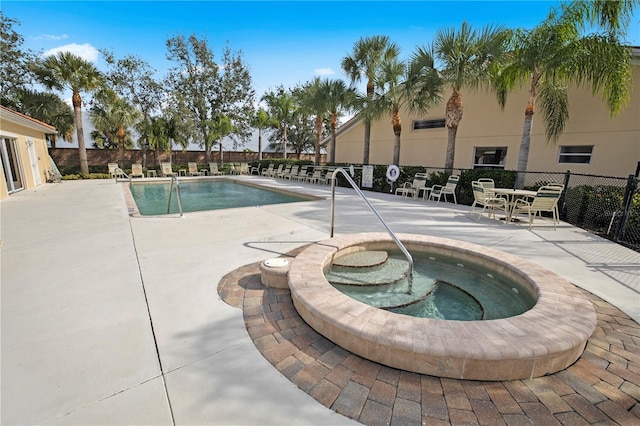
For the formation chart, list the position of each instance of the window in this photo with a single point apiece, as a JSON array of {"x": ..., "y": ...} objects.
[
  {"x": 489, "y": 157},
  {"x": 428, "y": 124},
  {"x": 575, "y": 154}
]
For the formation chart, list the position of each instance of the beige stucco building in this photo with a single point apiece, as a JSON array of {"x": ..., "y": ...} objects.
[
  {"x": 592, "y": 142},
  {"x": 23, "y": 152}
]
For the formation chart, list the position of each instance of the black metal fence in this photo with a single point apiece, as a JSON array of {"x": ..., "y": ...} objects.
[{"x": 608, "y": 206}]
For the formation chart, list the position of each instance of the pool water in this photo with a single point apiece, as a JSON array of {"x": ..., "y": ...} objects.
[
  {"x": 152, "y": 198},
  {"x": 441, "y": 288}
]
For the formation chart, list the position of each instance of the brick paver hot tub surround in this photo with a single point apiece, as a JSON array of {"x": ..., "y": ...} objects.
[{"x": 546, "y": 339}]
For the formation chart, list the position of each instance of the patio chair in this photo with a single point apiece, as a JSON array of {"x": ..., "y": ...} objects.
[
  {"x": 213, "y": 170},
  {"x": 302, "y": 174},
  {"x": 315, "y": 176},
  {"x": 193, "y": 169},
  {"x": 167, "y": 170},
  {"x": 414, "y": 187},
  {"x": 244, "y": 168},
  {"x": 267, "y": 171},
  {"x": 438, "y": 191},
  {"x": 484, "y": 197},
  {"x": 486, "y": 183},
  {"x": 233, "y": 170},
  {"x": 136, "y": 170},
  {"x": 326, "y": 179},
  {"x": 561, "y": 186},
  {"x": 293, "y": 171},
  {"x": 274, "y": 173},
  {"x": 113, "y": 167},
  {"x": 545, "y": 200},
  {"x": 286, "y": 170}
]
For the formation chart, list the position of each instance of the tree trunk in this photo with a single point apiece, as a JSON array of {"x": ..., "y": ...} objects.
[
  {"x": 120, "y": 135},
  {"x": 318, "y": 136},
  {"x": 367, "y": 142},
  {"x": 259, "y": 144},
  {"x": 453, "y": 116},
  {"x": 525, "y": 144},
  {"x": 284, "y": 145},
  {"x": 525, "y": 141},
  {"x": 334, "y": 126},
  {"x": 82, "y": 149},
  {"x": 397, "y": 129}
]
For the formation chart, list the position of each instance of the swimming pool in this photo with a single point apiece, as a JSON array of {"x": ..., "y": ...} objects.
[{"x": 152, "y": 198}]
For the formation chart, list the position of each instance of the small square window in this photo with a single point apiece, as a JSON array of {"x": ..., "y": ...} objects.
[
  {"x": 580, "y": 154},
  {"x": 489, "y": 157}
]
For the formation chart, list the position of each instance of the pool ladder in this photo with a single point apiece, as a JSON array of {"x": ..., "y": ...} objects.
[
  {"x": 175, "y": 179},
  {"x": 375, "y": 212}
]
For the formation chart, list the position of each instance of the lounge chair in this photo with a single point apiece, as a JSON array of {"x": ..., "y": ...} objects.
[
  {"x": 213, "y": 170},
  {"x": 545, "y": 200},
  {"x": 438, "y": 191},
  {"x": 315, "y": 176},
  {"x": 293, "y": 171},
  {"x": 326, "y": 179},
  {"x": 284, "y": 171},
  {"x": 486, "y": 198},
  {"x": 274, "y": 173},
  {"x": 136, "y": 170},
  {"x": 193, "y": 169},
  {"x": 414, "y": 187},
  {"x": 167, "y": 170},
  {"x": 267, "y": 171},
  {"x": 112, "y": 169},
  {"x": 301, "y": 174}
]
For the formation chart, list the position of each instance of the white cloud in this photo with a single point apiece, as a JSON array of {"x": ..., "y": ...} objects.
[
  {"x": 51, "y": 37},
  {"x": 85, "y": 51},
  {"x": 323, "y": 71}
]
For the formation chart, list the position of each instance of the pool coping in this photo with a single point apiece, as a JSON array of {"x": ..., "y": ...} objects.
[
  {"x": 547, "y": 338},
  {"x": 133, "y": 210}
]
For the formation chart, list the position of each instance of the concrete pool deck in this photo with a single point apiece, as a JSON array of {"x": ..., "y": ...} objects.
[{"x": 108, "y": 319}]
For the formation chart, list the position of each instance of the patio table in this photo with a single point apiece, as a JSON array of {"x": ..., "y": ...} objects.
[{"x": 512, "y": 195}]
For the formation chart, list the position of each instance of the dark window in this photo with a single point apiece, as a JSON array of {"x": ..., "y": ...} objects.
[
  {"x": 428, "y": 124},
  {"x": 575, "y": 154},
  {"x": 489, "y": 157}
]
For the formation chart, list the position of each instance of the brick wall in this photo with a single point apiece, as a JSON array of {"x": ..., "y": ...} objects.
[{"x": 67, "y": 157}]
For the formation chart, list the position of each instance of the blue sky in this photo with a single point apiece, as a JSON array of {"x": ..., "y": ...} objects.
[{"x": 282, "y": 42}]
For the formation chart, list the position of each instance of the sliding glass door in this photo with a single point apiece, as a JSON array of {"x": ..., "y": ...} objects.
[{"x": 11, "y": 164}]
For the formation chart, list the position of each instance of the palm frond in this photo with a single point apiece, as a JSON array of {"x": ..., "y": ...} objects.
[{"x": 554, "y": 103}]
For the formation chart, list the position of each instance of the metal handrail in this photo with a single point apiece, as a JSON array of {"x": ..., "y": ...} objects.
[
  {"x": 375, "y": 212},
  {"x": 119, "y": 172},
  {"x": 179, "y": 198}
]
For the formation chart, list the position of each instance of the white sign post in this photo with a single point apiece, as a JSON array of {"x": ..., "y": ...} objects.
[{"x": 367, "y": 176}]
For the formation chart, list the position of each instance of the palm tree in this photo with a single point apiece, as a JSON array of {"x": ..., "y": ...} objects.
[
  {"x": 464, "y": 58},
  {"x": 414, "y": 86},
  {"x": 48, "y": 108},
  {"x": 281, "y": 108},
  {"x": 219, "y": 128},
  {"x": 339, "y": 98},
  {"x": 313, "y": 100},
  {"x": 551, "y": 56},
  {"x": 68, "y": 71},
  {"x": 365, "y": 60},
  {"x": 114, "y": 116},
  {"x": 261, "y": 121}
]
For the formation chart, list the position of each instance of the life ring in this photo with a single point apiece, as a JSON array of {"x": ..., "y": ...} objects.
[{"x": 393, "y": 172}]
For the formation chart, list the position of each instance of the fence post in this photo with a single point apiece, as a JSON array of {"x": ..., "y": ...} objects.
[{"x": 632, "y": 184}]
